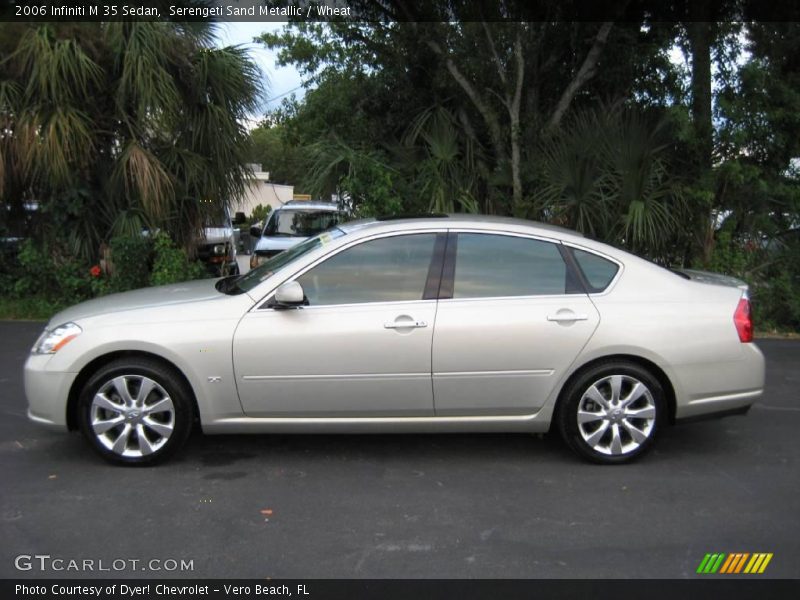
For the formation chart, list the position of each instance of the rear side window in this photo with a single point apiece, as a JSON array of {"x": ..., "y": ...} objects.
[
  {"x": 598, "y": 271},
  {"x": 490, "y": 265}
]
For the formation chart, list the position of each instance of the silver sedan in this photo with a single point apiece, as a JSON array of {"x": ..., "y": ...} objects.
[{"x": 440, "y": 324}]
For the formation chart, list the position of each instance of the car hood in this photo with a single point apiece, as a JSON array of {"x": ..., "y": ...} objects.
[
  {"x": 215, "y": 235},
  {"x": 278, "y": 242},
  {"x": 179, "y": 293}
]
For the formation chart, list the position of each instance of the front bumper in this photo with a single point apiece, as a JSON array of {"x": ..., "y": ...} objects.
[
  {"x": 222, "y": 267},
  {"x": 261, "y": 256},
  {"x": 47, "y": 392}
]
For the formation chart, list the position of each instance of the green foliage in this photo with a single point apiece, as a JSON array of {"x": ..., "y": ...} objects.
[
  {"x": 260, "y": 213},
  {"x": 772, "y": 270},
  {"x": 112, "y": 126},
  {"x": 171, "y": 264},
  {"x": 364, "y": 177},
  {"x": 43, "y": 280},
  {"x": 33, "y": 308},
  {"x": 606, "y": 173},
  {"x": 51, "y": 274},
  {"x": 443, "y": 163},
  {"x": 272, "y": 148},
  {"x": 131, "y": 259}
]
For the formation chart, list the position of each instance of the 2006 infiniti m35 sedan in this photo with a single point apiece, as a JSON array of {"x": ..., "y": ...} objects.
[{"x": 436, "y": 324}]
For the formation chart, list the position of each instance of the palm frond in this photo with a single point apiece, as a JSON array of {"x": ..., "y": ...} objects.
[{"x": 143, "y": 176}]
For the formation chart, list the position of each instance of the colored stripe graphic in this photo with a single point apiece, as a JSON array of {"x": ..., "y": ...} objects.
[
  {"x": 734, "y": 563},
  {"x": 728, "y": 563},
  {"x": 703, "y": 563},
  {"x": 711, "y": 563}
]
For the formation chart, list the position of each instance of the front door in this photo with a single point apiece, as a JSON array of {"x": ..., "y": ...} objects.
[{"x": 362, "y": 346}]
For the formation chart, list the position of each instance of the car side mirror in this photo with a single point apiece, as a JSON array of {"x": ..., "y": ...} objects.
[
  {"x": 288, "y": 295},
  {"x": 255, "y": 231}
]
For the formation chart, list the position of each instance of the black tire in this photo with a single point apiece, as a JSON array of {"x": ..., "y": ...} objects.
[
  {"x": 156, "y": 447},
  {"x": 626, "y": 447}
]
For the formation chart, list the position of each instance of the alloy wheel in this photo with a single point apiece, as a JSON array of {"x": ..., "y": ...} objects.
[
  {"x": 132, "y": 416},
  {"x": 616, "y": 415}
]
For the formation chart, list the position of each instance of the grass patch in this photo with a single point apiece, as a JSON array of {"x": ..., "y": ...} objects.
[
  {"x": 777, "y": 333},
  {"x": 32, "y": 309}
]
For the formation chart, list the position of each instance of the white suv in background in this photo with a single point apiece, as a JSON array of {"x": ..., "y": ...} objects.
[{"x": 291, "y": 224}]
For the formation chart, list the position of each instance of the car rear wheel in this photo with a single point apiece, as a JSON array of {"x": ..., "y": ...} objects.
[
  {"x": 611, "y": 413},
  {"x": 135, "y": 412}
]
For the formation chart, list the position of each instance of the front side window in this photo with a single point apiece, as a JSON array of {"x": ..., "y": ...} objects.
[
  {"x": 265, "y": 270},
  {"x": 392, "y": 269},
  {"x": 490, "y": 265}
]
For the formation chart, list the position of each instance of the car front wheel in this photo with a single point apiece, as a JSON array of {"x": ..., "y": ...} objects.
[
  {"x": 135, "y": 412},
  {"x": 611, "y": 413}
]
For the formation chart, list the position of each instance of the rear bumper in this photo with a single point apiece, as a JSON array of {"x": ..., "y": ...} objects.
[
  {"x": 720, "y": 389},
  {"x": 718, "y": 406}
]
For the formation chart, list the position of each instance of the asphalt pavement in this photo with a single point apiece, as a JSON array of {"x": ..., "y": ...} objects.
[{"x": 405, "y": 506}]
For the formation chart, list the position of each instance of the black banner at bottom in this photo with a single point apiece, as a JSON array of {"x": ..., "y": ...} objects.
[{"x": 387, "y": 589}]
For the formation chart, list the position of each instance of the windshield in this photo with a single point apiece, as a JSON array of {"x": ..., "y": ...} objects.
[
  {"x": 247, "y": 282},
  {"x": 301, "y": 222},
  {"x": 214, "y": 215}
]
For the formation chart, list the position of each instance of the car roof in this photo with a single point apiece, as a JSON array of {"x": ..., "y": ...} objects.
[
  {"x": 308, "y": 205},
  {"x": 456, "y": 221}
]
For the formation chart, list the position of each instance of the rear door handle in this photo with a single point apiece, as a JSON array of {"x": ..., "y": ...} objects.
[{"x": 567, "y": 317}]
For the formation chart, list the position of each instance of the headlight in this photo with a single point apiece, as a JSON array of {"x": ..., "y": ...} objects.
[
  {"x": 52, "y": 341},
  {"x": 257, "y": 259},
  {"x": 218, "y": 249}
]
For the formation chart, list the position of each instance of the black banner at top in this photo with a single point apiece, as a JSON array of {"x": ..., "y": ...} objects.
[{"x": 398, "y": 10}]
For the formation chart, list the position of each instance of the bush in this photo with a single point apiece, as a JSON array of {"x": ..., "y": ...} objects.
[
  {"x": 41, "y": 281},
  {"x": 131, "y": 258},
  {"x": 260, "y": 213},
  {"x": 171, "y": 264},
  {"x": 53, "y": 275},
  {"x": 773, "y": 274}
]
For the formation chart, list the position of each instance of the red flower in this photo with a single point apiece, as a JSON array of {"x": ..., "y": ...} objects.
[{"x": 95, "y": 271}]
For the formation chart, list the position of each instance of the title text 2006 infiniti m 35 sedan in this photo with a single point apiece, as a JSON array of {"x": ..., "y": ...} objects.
[{"x": 431, "y": 324}]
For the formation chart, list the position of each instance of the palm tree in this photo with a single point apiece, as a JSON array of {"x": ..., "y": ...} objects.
[
  {"x": 444, "y": 162},
  {"x": 605, "y": 173},
  {"x": 114, "y": 126}
]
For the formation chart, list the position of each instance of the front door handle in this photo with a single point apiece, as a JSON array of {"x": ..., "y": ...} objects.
[
  {"x": 405, "y": 323},
  {"x": 567, "y": 317}
]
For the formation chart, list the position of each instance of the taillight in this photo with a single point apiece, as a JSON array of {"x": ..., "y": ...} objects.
[{"x": 743, "y": 320}]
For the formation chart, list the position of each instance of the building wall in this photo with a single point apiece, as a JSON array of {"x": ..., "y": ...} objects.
[{"x": 262, "y": 191}]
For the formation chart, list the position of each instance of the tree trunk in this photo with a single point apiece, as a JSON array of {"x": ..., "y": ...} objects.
[
  {"x": 586, "y": 71},
  {"x": 701, "y": 35},
  {"x": 516, "y": 130},
  {"x": 700, "y": 38}
]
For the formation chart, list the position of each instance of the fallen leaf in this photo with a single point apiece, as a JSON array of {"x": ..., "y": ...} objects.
[
  {"x": 266, "y": 511},
  {"x": 52, "y": 476}
]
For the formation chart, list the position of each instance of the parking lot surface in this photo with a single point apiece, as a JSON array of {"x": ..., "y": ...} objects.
[{"x": 397, "y": 506}]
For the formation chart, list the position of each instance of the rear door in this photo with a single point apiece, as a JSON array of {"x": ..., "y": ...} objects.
[{"x": 511, "y": 320}]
